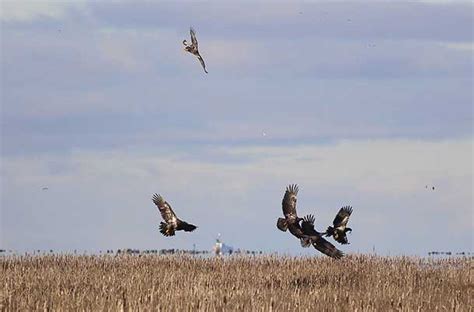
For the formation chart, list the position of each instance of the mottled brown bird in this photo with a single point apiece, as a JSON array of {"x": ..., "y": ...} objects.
[
  {"x": 317, "y": 240},
  {"x": 291, "y": 221},
  {"x": 339, "y": 229},
  {"x": 172, "y": 223},
  {"x": 193, "y": 48}
]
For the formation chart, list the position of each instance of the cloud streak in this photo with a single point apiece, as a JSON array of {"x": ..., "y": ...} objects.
[
  {"x": 361, "y": 103},
  {"x": 383, "y": 180}
]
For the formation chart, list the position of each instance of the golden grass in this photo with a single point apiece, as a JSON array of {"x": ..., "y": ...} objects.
[{"x": 182, "y": 283}]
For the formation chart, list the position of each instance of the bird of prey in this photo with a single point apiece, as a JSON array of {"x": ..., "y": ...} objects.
[
  {"x": 317, "y": 240},
  {"x": 193, "y": 48},
  {"x": 172, "y": 223},
  {"x": 291, "y": 221},
  {"x": 339, "y": 229}
]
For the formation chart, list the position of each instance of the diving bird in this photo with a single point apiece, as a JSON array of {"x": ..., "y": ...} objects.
[
  {"x": 339, "y": 228},
  {"x": 193, "y": 48},
  {"x": 291, "y": 221},
  {"x": 172, "y": 223},
  {"x": 317, "y": 240}
]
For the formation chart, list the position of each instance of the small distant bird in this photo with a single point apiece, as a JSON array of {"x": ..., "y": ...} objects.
[
  {"x": 172, "y": 223},
  {"x": 317, "y": 240},
  {"x": 45, "y": 188},
  {"x": 338, "y": 230},
  {"x": 193, "y": 48},
  {"x": 291, "y": 221}
]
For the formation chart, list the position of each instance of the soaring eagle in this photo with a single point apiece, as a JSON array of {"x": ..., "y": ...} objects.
[
  {"x": 316, "y": 239},
  {"x": 193, "y": 48},
  {"x": 339, "y": 229},
  {"x": 291, "y": 221},
  {"x": 172, "y": 223}
]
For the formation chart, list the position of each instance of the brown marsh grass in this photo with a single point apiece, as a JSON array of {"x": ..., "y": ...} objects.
[{"x": 265, "y": 283}]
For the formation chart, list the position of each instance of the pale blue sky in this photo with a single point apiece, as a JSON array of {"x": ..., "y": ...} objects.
[{"x": 362, "y": 103}]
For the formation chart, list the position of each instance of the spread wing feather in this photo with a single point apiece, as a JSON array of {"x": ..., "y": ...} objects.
[
  {"x": 326, "y": 247},
  {"x": 308, "y": 225},
  {"x": 342, "y": 217},
  {"x": 317, "y": 240},
  {"x": 165, "y": 209},
  {"x": 193, "y": 37},
  {"x": 289, "y": 202},
  {"x": 202, "y": 62}
]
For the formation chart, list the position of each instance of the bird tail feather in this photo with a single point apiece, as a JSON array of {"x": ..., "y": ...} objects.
[{"x": 282, "y": 225}]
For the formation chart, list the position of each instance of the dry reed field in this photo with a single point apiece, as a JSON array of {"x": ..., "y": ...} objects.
[{"x": 264, "y": 283}]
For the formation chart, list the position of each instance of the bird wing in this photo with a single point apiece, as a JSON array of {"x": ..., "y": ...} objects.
[
  {"x": 342, "y": 217},
  {"x": 296, "y": 230},
  {"x": 342, "y": 239},
  {"x": 326, "y": 247},
  {"x": 289, "y": 202},
  {"x": 308, "y": 225},
  {"x": 165, "y": 209},
  {"x": 182, "y": 225},
  {"x": 193, "y": 37},
  {"x": 202, "y": 62}
]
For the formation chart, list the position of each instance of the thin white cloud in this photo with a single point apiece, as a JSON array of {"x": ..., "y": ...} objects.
[
  {"x": 27, "y": 11},
  {"x": 462, "y": 46},
  {"x": 385, "y": 181}
]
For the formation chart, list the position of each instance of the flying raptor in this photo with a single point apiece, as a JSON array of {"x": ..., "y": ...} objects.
[
  {"x": 317, "y": 240},
  {"x": 172, "y": 223},
  {"x": 339, "y": 228},
  {"x": 291, "y": 221},
  {"x": 193, "y": 48}
]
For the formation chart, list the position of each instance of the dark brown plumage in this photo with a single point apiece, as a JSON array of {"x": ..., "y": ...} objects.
[
  {"x": 291, "y": 221},
  {"x": 316, "y": 239},
  {"x": 172, "y": 223},
  {"x": 339, "y": 229},
  {"x": 193, "y": 48}
]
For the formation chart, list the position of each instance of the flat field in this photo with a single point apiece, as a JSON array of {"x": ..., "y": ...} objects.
[{"x": 263, "y": 283}]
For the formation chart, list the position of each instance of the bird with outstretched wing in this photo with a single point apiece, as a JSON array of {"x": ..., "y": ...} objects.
[
  {"x": 339, "y": 229},
  {"x": 291, "y": 221},
  {"x": 193, "y": 48},
  {"x": 171, "y": 222},
  {"x": 316, "y": 239}
]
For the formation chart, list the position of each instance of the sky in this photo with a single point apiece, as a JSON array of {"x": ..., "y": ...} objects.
[{"x": 361, "y": 103}]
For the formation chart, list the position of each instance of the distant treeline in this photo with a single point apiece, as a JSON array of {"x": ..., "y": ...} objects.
[
  {"x": 130, "y": 251},
  {"x": 449, "y": 253},
  {"x": 180, "y": 251}
]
